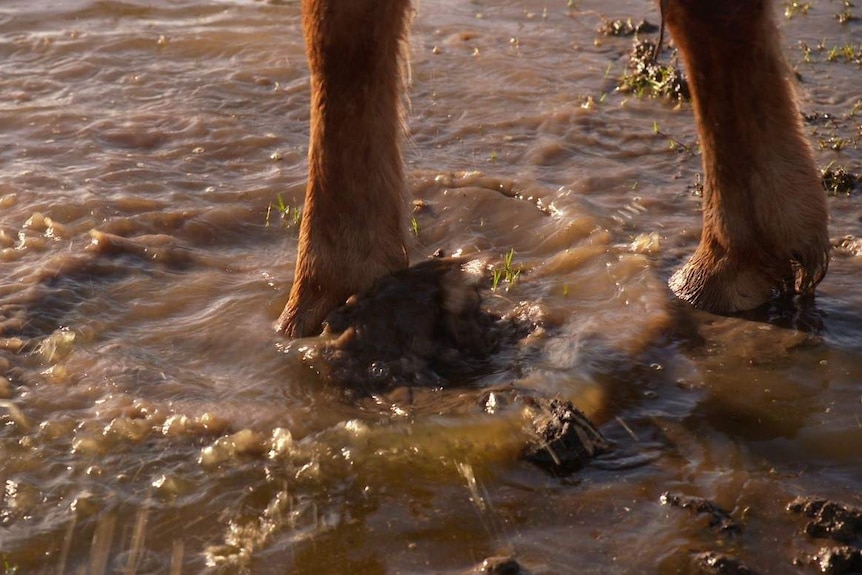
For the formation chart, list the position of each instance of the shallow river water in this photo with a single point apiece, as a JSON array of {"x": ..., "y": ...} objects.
[{"x": 152, "y": 421}]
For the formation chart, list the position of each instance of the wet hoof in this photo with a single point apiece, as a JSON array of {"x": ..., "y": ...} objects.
[
  {"x": 720, "y": 286},
  {"x": 730, "y": 284},
  {"x": 418, "y": 326},
  {"x": 324, "y": 281},
  {"x": 304, "y": 313},
  {"x": 564, "y": 439}
]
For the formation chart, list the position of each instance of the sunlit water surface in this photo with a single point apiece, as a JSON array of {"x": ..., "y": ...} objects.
[{"x": 153, "y": 423}]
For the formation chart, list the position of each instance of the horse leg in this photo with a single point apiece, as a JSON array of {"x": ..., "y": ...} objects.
[
  {"x": 353, "y": 225},
  {"x": 764, "y": 212}
]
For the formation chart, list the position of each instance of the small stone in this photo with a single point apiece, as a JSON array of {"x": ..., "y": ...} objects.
[
  {"x": 718, "y": 518},
  {"x": 841, "y": 560},
  {"x": 829, "y": 519},
  {"x": 564, "y": 438},
  {"x": 500, "y": 566},
  {"x": 712, "y": 563}
]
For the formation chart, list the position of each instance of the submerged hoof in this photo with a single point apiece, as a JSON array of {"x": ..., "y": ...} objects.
[
  {"x": 722, "y": 287},
  {"x": 730, "y": 284},
  {"x": 303, "y": 316}
]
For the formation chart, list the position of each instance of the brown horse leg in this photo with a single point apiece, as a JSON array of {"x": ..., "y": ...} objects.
[
  {"x": 764, "y": 212},
  {"x": 353, "y": 222}
]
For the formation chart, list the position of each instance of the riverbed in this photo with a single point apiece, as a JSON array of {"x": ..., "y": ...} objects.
[{"x": 152, "y": 169}]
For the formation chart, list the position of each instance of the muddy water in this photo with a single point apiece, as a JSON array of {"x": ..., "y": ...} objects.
[{"x": 153, "y": 423}]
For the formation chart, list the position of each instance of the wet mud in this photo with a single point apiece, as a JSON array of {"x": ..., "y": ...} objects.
[{"x": 421, "y": 326}]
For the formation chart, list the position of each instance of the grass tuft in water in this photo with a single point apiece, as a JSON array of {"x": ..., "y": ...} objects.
[
  {"x": 673, "y": 143},
  {"x": 794, "y": 8},
  {"x": 646, "y": 77},
  {"x": 696, "y": 189},
  {"x": 506, "y": 273},
  {"x": 836, "y": 180},
  {"x": 835, "y": 143},
  {"x": 846, "y": 15},
  {"x": 290, "y": 215},
  {"x": 847, "y": 53},
  {"x": 625, "y": 27}
]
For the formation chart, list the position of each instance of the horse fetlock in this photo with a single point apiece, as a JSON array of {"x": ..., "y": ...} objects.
[{"x": 728, "y": 281}]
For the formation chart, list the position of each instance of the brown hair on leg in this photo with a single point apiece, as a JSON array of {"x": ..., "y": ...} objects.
[
  {"x": 764, "y": 212},
  {"x": 354, "y": 218}
]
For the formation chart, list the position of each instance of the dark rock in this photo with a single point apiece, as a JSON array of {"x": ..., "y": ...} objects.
[
  {"x": 564, "y": 438},
  {"x": 712, "y": 563},
  {"x": 718, "y": 518},
  {"x": 500, "y": 566},
  {"x": 828, "y": 519},
  {"x": 840, "y": 560}
]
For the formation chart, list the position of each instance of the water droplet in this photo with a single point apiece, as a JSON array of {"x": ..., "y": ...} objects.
[{"x": 378, "y": 370}]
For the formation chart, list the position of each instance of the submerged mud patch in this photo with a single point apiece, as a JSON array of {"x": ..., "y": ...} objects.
[{"x": 424, "y": 325}]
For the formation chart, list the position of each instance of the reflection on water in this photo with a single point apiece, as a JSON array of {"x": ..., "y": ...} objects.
[{"x": 151, "y": 163}]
